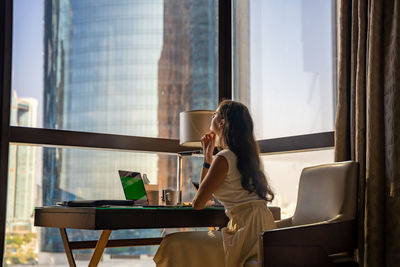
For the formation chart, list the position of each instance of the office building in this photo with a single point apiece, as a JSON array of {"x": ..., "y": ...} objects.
[
  {"x": 100, "y": 73},
  {"x": 22, "y": 168},
  {"x": 188, "y": 76}
]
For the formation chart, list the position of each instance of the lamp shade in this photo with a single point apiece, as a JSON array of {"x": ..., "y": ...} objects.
[{"x": 193, "y": 125}]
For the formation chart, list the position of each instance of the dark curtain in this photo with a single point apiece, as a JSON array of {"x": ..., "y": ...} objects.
[{"x": 368, "y": 120}]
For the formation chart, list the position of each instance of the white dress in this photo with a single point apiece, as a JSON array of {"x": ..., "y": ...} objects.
[{"x": 234, "y": 244}]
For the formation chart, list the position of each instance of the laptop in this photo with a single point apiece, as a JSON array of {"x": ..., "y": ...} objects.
[
  {"x": 134, "y": 191},
  {"x": 133, "y": 187}
]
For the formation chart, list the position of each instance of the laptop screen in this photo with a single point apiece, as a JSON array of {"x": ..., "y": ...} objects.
[{"x": 133, "y": 186}]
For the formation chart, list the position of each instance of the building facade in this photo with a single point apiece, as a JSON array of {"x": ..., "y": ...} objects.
[
  {"x": 188, "y": 75},
  {"x": 100, "y": 76},
  {"x": 21, "y": 196}
]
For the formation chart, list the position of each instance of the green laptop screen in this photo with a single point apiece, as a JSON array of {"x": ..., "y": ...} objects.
[{"x": 133, "y": 186}]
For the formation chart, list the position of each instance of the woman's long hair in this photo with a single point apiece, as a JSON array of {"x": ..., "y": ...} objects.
[{"x": 238, "y": 136}]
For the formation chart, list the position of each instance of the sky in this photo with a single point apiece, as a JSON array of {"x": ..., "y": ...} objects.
[
  {"x": 291, "y": 67},
  {"x": 27, "y": 58}
]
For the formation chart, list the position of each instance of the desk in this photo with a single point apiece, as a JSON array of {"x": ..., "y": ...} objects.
[{"x": 116, "y": 218}]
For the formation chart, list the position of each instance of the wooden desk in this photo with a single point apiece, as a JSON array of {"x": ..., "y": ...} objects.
[{"x": 116, "y": 218}]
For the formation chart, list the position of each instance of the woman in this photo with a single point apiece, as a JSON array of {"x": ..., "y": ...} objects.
[{"x": 234, "y": 177}]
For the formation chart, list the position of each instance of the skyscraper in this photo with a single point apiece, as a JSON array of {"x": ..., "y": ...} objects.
[
  {"x": 188, "y": 71},
  {"x": 100, "y": 76},
  {"x": 22, "y": 169}
]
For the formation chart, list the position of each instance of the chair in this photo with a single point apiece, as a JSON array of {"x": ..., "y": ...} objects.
[{"x": 322, "y": 231}]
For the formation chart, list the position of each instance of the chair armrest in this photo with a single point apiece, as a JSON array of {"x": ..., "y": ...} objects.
[
  {"x": 333, "y": 237},
  {"x": 307, "y": 245},
  {"x": 288, "y": 222}
]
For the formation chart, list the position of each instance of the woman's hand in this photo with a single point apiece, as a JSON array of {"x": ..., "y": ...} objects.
[
  {"x": 210, "y": 203},
  {"x": 208, "y": 143}
]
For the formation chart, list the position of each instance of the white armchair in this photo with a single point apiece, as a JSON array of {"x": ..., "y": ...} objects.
[{"x": 324, "y": 223}]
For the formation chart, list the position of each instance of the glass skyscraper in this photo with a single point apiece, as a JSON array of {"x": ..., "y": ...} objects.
[
  {"x": 109, "y": 66},
  {"x": 100, "y": 76},
  {"x": 188, "y": 75}
]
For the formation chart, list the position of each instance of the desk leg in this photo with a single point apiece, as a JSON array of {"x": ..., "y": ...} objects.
[
  {"x": 67, "y": 247},
  {"x": 98, "y": 251}
]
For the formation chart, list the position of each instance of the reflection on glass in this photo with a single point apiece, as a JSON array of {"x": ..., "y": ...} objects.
[
  {"x": 284, "y": 172},
  {"x": 284, "y": 67}
]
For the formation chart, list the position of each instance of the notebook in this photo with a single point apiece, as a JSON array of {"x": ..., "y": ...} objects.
[{"x": 134, "y": 191}]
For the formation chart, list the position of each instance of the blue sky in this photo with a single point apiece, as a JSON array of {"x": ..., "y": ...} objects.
[{"x": 27, "y": 69}]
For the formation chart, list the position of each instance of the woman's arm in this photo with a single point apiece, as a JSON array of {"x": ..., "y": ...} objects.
[
  {"x": 213, "y": 178},
  {"x": 204, "y": 172},
  {"x": 208, "y": 144}
]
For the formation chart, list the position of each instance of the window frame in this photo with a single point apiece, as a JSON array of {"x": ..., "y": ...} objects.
[{"x": 16, "y": 135}]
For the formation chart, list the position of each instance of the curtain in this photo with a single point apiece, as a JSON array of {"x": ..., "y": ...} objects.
[{"x": 368, "y": 120}]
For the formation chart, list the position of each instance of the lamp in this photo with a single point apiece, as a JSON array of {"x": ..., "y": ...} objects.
[{"x": 193, "y": 125}]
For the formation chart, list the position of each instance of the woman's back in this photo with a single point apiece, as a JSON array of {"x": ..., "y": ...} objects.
[{"x": 231, "y": 192}]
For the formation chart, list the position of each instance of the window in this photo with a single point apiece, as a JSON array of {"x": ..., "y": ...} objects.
[
  {"x": 103, "y": 67},
  {"x": 284, "y": 65},
  {"x": 283, "y": 69},
  {"x": 125, "y": 69}
]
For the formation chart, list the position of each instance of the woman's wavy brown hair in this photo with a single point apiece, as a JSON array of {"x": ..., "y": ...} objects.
[{"x": 239, "y": 137}]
